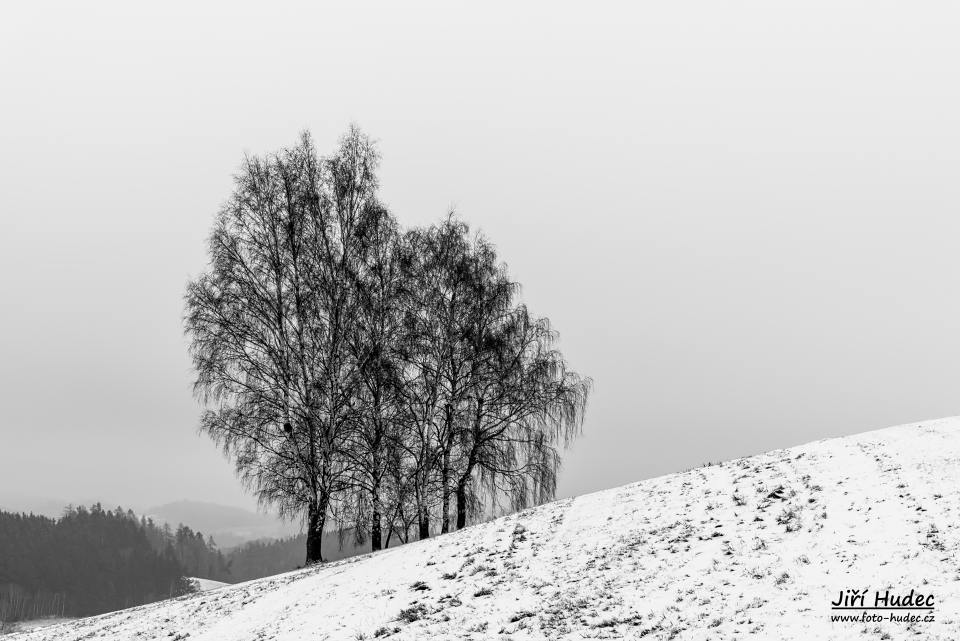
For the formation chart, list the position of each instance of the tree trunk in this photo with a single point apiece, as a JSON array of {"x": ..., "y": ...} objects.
[
  {"x": 376, "y": 536},
  {"x": 376, "y": 542},
  {"x": 424, "y": 524},
  {"x": 316, "y": 515},
  {"x": 461, "y": 503},
  {"x": 445, "y": 489}
]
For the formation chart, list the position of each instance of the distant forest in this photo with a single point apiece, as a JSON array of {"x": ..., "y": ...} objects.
[
  {"x": 87, "y": 562},
  {"x": 265, "y": 558},
  {"x": 92, "y": 560}
]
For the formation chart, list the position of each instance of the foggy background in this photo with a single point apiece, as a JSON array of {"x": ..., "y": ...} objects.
[{"x": 742, "y": 217}]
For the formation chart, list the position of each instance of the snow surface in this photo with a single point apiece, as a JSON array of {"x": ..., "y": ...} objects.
[
  {"x": 204, "y": 585},
  {"x": 36, "y": 624},
  {"x": 712, "y": 553}
]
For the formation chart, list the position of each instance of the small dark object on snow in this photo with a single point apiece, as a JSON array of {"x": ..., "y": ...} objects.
[{"x": 287, "y": 427}]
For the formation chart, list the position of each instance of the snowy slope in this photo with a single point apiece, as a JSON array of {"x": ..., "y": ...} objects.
[
  {"x": 718, "y": 552},
  {"x": 205, "y": 585}
]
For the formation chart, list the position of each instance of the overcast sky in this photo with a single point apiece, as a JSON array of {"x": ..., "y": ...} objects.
[{"x": 742, "y": 217}]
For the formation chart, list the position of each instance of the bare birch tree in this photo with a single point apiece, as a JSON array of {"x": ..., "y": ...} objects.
[{"x": 269, "y": 322}]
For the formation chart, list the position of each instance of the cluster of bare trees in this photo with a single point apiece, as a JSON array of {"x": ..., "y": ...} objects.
[
  {"x": 17, "y": 605},
  {"x": 385, "y": 380}
]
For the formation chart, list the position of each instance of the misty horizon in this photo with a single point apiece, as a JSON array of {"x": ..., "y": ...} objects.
[{"x": 742, "y": 230}]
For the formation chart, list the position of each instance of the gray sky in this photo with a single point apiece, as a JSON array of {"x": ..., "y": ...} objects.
[{"x": 741, "y": 216}]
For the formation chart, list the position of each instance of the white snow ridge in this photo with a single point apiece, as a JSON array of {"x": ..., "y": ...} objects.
[{"x": 751, "y": 548}]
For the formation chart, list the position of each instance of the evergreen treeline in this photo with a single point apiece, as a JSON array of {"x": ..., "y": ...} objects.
[
  {"x": 257, "y": 559},
  {"x": 92, "y": 560},
  {"x": 267, "y": 557},
  {"x": 386, "y": 379},
  {"x": 87, "y": 562},
  {"x": 198, "y": 557}
]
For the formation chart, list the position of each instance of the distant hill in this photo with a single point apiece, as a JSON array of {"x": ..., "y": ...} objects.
[
  {"x": 16, "y": 502},
  {"x": 229, "y": 526}
]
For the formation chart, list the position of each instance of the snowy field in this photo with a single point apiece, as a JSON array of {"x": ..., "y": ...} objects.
[
  {"x": 751, "y": 548},
  {"x": 33, "y": 624},
  {"x": 205, "y": 585}
]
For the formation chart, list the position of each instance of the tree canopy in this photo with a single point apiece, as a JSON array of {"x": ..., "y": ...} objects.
[{"x": 379, "y": 378}]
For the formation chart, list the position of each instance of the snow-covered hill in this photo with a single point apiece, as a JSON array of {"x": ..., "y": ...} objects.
[{"x": 757, "y": 547}]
